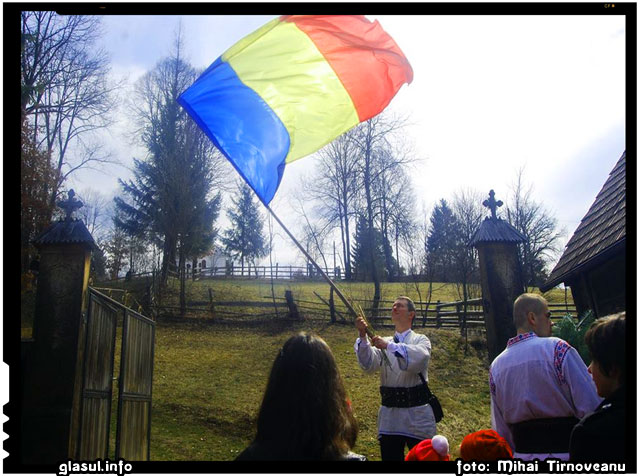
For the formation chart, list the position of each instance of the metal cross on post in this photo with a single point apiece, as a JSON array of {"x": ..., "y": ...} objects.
[
  {"x": 492, "y": 204},
  {"x": 70, "y": 205}
]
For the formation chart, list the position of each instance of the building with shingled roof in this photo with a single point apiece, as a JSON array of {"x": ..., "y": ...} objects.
[{"x": 593, "y": 264}]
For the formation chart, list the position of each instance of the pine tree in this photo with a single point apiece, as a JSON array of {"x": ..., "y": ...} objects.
[
  {"x": 245, "y": 239},
  {"x": 116, "y": 249},
  {"x": 362, "y": 252},
  {"x": 170, "y": 201},
  {"x": 442, "y": 243},
  {"x": 98, "y": 264}
]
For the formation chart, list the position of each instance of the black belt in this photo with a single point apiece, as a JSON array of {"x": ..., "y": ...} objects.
[
  {"x": 543, "y": 435},
  {"x": 404, "y": 397}
]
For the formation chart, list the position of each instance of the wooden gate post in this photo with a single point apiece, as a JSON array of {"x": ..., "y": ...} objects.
[
  {"x": 50, "y": 381},
  {"x": 212, "y": 309},
  {"x": 293, "y": 309},
  {"x": 332, "y": 307},
  {"x": 500, "y": 276}
]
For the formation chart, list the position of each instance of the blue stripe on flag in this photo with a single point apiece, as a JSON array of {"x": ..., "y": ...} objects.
[{"x": 241, "y": 124}]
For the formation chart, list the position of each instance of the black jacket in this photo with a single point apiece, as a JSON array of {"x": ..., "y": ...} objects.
[{"x": 600, "y": 435}]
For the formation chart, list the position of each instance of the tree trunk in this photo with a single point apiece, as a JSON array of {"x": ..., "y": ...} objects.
[
  {"x": 182, "y": 274},
  {"x": 347, "y": 242},
  {"x": 398, "y": 253},
  {"x": 347, "y": 263},
  {"x": 332, "y": 308},
  {"x": 344, "y": 243},
  {"x": 386, "y": 243},
  {"x": 167, "y": 254},
  {"x": 372, "y": 253}
]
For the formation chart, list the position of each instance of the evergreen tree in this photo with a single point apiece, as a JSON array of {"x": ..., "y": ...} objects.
[
  {"x": 98, "y": 264},
  {"x": 443, "y": 243},
  {"x": 170, "y": 201},
  {"x": 116, "y": 249},
  {"x": 245, "y": 239},
  {"x": 363, "y": 249}
]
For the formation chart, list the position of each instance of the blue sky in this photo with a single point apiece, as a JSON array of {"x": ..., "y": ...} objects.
[{"x": 491, "y": 94}]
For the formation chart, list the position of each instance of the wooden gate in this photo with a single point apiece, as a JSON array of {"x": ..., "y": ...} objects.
[
  {"x": 135, "y": 381},
  {"x": 134, "y": 399},
  {"x": 95, "y": 406}
]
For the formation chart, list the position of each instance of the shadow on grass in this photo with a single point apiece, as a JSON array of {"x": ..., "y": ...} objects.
[
  {"x": 264, "y": 327},
  {"x": 224, "y": 422}
]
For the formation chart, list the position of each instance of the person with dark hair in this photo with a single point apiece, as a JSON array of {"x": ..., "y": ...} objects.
[
  {"x": 405, "y": 417},
  {"x": 600, "y": 435},
  {"x": 539, "y": 385},
  {"x": 305, "y": 413}
]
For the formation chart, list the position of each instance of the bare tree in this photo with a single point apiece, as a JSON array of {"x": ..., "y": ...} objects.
[
  {"x": 333, "y": 186},
  {"x": 314, "y": 235},
  {"x": 468, "y": 209},
  {"x": 394, "y": 199},
  {"x": 538, "y": 225},
  {"x": 37, "y": 178},
  {"x": 66, "y": 92},
  {"x": 414, "y": 246},
  {"x": 373, "y": 138},
  {"x": 96, "y": 212},
  {"x": 467, "y": 206}
]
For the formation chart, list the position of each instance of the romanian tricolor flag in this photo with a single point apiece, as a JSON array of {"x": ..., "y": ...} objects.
[{"x": 293, "y": 86}]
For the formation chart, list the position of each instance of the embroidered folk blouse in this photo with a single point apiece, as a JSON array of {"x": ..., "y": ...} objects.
[
  {"x": 407, "y": 357},
  {"x": 538, "y": 377}
]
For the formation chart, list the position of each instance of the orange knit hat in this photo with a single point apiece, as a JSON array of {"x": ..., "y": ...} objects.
[
  {"x": 484, "y": 445},
  {"x": 433, "y": 449}
]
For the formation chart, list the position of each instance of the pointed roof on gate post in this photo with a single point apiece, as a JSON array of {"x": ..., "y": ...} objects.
[
  {"x": 68, "y": 230},
  {"x": 494, "y": 229}
]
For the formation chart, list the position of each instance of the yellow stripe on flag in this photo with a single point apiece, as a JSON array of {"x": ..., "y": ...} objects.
[{"x": 285, "y": 68}]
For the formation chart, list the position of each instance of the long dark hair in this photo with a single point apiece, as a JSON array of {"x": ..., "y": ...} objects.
[{"x": 305, "y": 413}]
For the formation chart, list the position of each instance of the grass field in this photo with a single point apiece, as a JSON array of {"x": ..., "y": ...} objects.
[
  {"x": 262, "y": 290},
  {"x": 209, "y": 380},
  {"x": 209, "y": 376}
]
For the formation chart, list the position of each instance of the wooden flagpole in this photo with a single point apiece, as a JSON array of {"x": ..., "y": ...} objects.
[{"x": 324, "y": 275}]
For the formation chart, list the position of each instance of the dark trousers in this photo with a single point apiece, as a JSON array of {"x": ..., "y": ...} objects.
[{"x": 392, "y": 446}]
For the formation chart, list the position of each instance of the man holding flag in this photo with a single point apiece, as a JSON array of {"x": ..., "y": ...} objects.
[
  {"x": 282, "y": 93},
  {"x": 404, "y": 418}
]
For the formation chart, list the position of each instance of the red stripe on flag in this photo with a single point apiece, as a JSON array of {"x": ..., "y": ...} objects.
[{"x": 369, "y": 63}]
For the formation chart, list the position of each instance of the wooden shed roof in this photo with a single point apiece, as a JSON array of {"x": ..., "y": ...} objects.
[{"x": 601, "y": 229}]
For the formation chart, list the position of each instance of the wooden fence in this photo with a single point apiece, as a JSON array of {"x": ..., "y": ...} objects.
[
  {"x": 559, "y": 310},
  {"x": 288, "y": 273},
  {"x": 276, "y": 271},
  {"x": 437, "y": 314}
]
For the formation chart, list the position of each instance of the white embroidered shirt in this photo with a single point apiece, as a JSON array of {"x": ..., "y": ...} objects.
[
  {"x": 538, "y": 377},
  {"x": 407, "y": 357}
]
